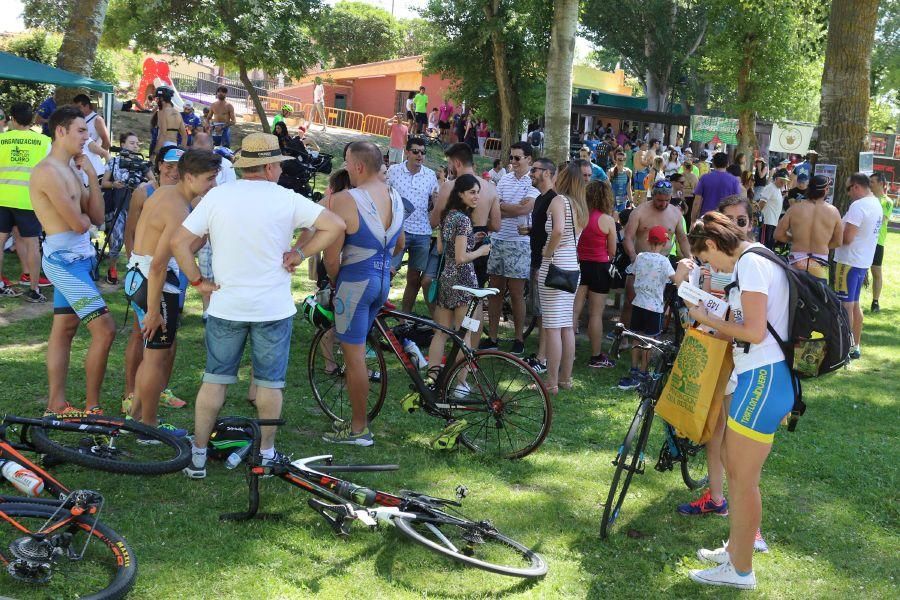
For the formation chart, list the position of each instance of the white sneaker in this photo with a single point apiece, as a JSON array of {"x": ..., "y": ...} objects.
[
  {"x": 718, "y": 556},
  {"x": 461, "y": 390},
  {"x": 724, "y": 575}
]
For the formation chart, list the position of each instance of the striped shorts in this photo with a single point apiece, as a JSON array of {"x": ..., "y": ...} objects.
[{"x": 74, "y": 287}]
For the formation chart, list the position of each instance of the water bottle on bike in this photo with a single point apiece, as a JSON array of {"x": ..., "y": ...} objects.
[
  {"x": 236, "y": 457},
  {"x": 415, "y": 354},
  {"x": 24, "y": 480}
]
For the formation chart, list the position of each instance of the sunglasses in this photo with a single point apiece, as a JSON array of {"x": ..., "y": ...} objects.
[
  {"x": 416, "y": 152},
  {"x": 516, "y": 158},
  {"x": 537, "y": 169}
]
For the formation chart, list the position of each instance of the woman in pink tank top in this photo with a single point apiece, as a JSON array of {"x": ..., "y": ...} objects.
[{"x": 596, "y": 247}]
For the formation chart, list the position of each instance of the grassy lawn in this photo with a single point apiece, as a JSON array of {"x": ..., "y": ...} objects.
[{"x": 829, "y": 490}]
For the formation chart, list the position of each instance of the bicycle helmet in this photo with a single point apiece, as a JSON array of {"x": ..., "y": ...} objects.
[
  {"x": 226, "y": 439},
  {"x": 316, "y": 314},
  {"x": 166, "y": 93},
  {"x": 287, "y": 107}
]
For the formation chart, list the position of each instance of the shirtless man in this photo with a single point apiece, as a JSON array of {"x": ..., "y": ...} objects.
[
  {"x": 221, "y": 118},
  {"x": 66, "y": 210},
  {"x": 485, "y": 217},
  {"x": 151, "y": 283},
  {"x": 656, "y": 211},
  {"x": 812, "y": 227},
  {"x": 169, "y": 121}
]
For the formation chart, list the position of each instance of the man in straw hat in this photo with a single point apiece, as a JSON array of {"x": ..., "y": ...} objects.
[{"x": 250, "y": 224}]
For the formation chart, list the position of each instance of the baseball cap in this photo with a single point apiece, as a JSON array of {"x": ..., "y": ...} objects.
[
  {"x": 188, "y": 104},
  {"x": 173, "y": 155},
  {"x": 818, "y": 184},
  {"x": 658, "y": 235},
  {"x": 803, "y": 177},
  {"x": 782, "y": 174}
]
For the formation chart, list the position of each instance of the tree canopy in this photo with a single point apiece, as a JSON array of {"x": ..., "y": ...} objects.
[{"x": 351, "y": 33}]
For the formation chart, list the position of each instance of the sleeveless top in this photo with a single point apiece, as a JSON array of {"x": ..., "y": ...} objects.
[
  {"x": 369, "y": 250},
  {"x": 592, "y": 243},
  {"x": 619, "y": 184},
  {"x": 566, "y": 254},
  {"x": 93, "y": 136}
]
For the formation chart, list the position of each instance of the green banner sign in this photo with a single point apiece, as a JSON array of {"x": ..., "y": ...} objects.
[{"x": 714, "y": 129}]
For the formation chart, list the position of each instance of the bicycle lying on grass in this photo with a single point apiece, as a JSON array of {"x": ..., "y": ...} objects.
[
  {"x": 630, "y": 457},
  {"x": 432, "y": 522},
  {"x": 45, "y": 546},
  {"x": 498, "y": 404}
]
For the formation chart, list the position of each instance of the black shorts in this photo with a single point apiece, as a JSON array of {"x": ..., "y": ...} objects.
[
  {"x": 410, "y": 115},
  {"x": 169, "y": 307},
  {"x": 646, "y": 322},
  {"x": 422, "y": 118},
  {"x": 879, "y": 256},
  {"x": 24, "y": 219},
  {"x": 481, "y": 262},
  {"x": 595, "y": 275},
  {"x": 443, "y": 125}
]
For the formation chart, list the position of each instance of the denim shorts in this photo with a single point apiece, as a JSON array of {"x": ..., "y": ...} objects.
[
  {"x": 270, "y": 345},
  {"x": 417, "y": 244}
]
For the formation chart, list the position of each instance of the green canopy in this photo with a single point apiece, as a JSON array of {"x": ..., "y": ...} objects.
[{"x": 21, "y": 69}]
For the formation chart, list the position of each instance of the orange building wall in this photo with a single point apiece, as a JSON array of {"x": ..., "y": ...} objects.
[{"x": 373, "y": 96}]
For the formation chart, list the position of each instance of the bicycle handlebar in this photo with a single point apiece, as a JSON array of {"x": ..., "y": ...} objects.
[{"x": 622, "y": 331}]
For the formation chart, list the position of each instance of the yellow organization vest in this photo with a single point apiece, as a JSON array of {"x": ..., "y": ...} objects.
[{"x": 20, "y": 151}]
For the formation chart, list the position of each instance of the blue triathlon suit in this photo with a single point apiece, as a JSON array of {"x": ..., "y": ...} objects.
[
  {"x": 763, "y": 397},
  {"x": 364, "y": 280}
]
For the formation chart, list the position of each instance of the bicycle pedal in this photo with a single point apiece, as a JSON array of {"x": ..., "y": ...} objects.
[
  {"x": 411, "y": 402},
  {"x": 338, "y": 522}
]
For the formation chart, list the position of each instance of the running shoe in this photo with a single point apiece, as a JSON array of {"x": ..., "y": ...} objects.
[
  {"x": 25, "y": 279},
  {"x": 68, "y": 412},
  {"x": 166, "y": 427},
  {"x": 195, "y": 470},
  {"x": 518, "y": 348},
  {"x": 345, "y": 435},
  {"x": 601, "y": 361},
  {"x": 94, "y": 412},
  {"x": 536, "y": 365},
  {"x": 718, "y": 556},
  {"x": 127, "y": 403},
  {"x": 855, "y": 354},
  {"x": 488, "y": 344},
  {"x": 724, "y": 575},
  {"x": 704, "y": 505},
  {"x": 759, "y": 544},
  {"x": 632, "y": 382},
  {"x": 8, "y": 291},
  {"x": 278, "y": 459},
  {"x": 6, "y": 281},
  {"x": 875, "y": 307},
  {"x": 35, "y": 297},
  {"x": 112, "y": 276},
  {"x": 461, "y": 391},
  {"x": 168, "y": 398}
]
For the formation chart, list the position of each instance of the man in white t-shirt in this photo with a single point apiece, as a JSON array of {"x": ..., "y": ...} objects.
[
  {"x": 853, "y": 259},
  {"x": 771, "y": 201},
  {"x": 319, "y": 104},
  {"x": 253, "y": 261},
  {"x": 417, "y": 185},
  {"x": 509, "y": 263}
]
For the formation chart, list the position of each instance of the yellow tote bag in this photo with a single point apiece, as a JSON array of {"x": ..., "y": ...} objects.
[{"x": 692, "y": 398}]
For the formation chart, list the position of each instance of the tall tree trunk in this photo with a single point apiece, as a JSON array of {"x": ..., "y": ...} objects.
[
  {"x": 79, "y": 44},
  {"x": 843, "y": 117},
  {"x": 254, "y": 97},
  {"x": 558, "y": 102},
  {"x": 509, "y": 101},
  {"x": 658, "y": 88},
  {"x": 746, "y": 117}
]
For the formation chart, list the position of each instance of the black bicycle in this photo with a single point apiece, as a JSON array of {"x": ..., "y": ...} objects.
[
  {"x": 432, "y": 522},
  {"x": 629, "y": 459},
  {"x": 58, "y": 547},
  {"x": 495, "y": 400}
]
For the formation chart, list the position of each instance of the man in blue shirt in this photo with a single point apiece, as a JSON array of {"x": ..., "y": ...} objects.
[
  {"x": 42, "y": 114},
  {"x": 192, "y": 122},
  {"x": 597, "y": 172}
]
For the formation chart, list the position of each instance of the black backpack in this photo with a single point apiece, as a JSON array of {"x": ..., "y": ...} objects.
[
  {"x": 819, "y": 336},
  {"x": 535, "y": 138}
]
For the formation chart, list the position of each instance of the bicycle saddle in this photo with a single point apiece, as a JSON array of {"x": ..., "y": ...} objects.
[{"x": 478, "y": 293}]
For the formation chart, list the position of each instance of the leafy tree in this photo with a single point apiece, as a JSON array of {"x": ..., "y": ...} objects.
[
  {"x": 558, "y": 103},
  {"x": 495, "y": 53},
  {"x": 79, "y": 44},
  {"x": 353, "y": 33},
  {"x": 886, "y": 57},
  {"x": 243, "y": 34},
  {"x": 52, "y": 15},
  {"x": 845, "y": 88},
  {"x": 417, "y": 35},
  {"x": 884, "y": 111}
]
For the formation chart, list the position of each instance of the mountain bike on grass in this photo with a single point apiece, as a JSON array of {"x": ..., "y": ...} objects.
[
  {"x": 629, "y": 459},
  {"x": 435, "y": 523},
  {"x": 493, "y": 400},
  {"x": 57, "y": 547}
]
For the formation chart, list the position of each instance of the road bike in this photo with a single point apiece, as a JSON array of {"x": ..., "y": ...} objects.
[
  {"x": 57, "y": 547},
  {"x": 499, "y": 405},
  {"x": 435, "y": 523},
  {"x": 629, "y": 459}
]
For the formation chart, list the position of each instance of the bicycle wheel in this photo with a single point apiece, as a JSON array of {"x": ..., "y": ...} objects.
[
  {"x": 326, "y": 376},
  {"x": 629, "y": 460},
  {"x": 475, "y": 544},
  {"x": 694, "y": 470},
  {"x": 106, "y": 571},
  {"x": 125, "y": 446},
  {"x": 505, "y": 405}
]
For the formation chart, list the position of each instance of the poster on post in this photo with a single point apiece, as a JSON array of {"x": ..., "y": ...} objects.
[
  {"x": 716, "y": 130},
  {"x": 791, "y": 138},
  {"x": 829, "y": 171},
  {"x": 882, "y": 144},
  {"x": 867, "y": 162}
]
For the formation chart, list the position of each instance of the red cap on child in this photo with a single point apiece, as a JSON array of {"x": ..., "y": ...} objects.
[{"x": 658, "y": 235}]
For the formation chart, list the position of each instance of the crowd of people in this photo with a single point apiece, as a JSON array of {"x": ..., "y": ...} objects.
[{"x": 556, "y": 240}]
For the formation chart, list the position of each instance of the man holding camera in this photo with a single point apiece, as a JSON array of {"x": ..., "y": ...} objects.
[{"x": 20, "y": 151}]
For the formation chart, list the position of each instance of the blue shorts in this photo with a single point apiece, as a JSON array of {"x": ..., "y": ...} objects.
[
  {"x": 356, "y": 304},
  {"x": 763, "y": 397},
  {"x": 848, "y": 282},
  {"x": 270, "y": 345},
  {"x": 74, "y": 289},
  {"x": 418, "y": 246}
]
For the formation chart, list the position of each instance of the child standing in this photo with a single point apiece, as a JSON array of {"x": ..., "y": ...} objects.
[{"x": 652, "y": 271}]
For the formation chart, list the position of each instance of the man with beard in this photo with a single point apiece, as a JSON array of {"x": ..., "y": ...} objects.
[{"x": 222, "y": 118}]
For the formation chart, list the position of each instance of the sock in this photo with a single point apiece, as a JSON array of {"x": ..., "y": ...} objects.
[
  {"x": 199, "y": 455},
  {"x": 743, "y": 573},
  {"x": 267, "y": 453}
]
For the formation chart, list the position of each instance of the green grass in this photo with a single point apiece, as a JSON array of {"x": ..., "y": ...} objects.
[{"x": 829, "y": 490}]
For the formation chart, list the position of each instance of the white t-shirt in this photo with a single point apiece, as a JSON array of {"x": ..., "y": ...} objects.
[
  {"x": 651, "y": 273},
  {"x": 758, "y": 274},
  {"x": 416, "y": 188},
  {"x": 251, "y": 225},
  {"x": 319, "y": 94},
  {"x": 512, "y": 189},
  {"x": 866, "y": 214},
  {"x": 774, "y": 203},
  {"x": 226, "y": 172}
]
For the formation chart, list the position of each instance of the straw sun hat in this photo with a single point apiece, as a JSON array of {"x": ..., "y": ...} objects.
[{"x": 259, "y": 149}]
